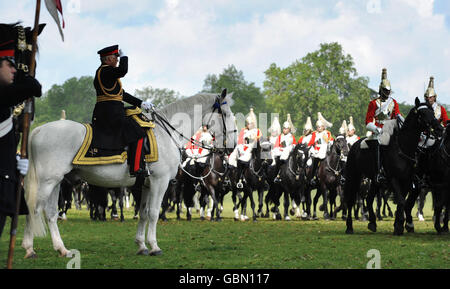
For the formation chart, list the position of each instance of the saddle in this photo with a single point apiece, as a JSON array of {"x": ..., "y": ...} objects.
[{"x": 89, "y": 155}]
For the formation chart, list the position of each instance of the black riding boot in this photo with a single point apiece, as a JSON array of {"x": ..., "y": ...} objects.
[
  {"x": 315, "y": 165},
  {"x": 136, "y": 159},
  {"x": 380, "y": 177},
  {"x": 240, "y": 169},
  {"x": 280, "y": 163}
]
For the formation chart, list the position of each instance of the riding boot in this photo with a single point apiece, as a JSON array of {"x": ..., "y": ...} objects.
[
  {"x": 277, "y": 169},
  {"x": 240, "y": 169},
  {"x": 315, "y": 164},
  {"x": 380, "y": 177},
  {"x": 136, "y": 159},
  {"x": 278, "y": 178}
]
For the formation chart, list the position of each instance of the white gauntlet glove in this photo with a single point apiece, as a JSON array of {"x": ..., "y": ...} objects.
[
  {"x": 373, "y": 128},
  {"x": 121, "y": 54},
  {"x": 147, "y": 105},
  {"x": 22, "y": 165}
]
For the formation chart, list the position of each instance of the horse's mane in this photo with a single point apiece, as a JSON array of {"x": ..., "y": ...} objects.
[{"x": 180, "y": 105}]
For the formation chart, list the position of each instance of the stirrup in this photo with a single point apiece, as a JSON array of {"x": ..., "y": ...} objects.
[{"x": 239, "y": 185}]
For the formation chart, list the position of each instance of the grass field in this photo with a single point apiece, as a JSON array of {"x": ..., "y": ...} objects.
[{"x": 266, "y": 244}]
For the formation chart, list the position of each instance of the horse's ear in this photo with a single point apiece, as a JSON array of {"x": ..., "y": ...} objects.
[
  {"x": 224, "y": 93},
  {"x": 417, "y": 101},
  {"x": 41, "y": 27}
]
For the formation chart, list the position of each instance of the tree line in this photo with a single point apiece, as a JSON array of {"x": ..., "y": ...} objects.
[{"x": 324, "y": 80}]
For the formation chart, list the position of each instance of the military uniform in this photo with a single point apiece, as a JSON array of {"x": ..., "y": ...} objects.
[
  {"x": 114, "y": 130},
  {"x": 11, "y": 95},
  {"x": 380, "y": 110},
  {"x": 439, "y": 113}
]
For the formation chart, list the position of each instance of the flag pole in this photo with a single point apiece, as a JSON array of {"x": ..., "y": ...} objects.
[{"x": 28, "y": 111}]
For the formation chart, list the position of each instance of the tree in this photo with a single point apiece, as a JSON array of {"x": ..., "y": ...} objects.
[
  {"x": 245, "y": 94},
  {"x": 159, "y": 97},
  {"x": 323, "y": 81},
  {"x": 76, "y": 96}
]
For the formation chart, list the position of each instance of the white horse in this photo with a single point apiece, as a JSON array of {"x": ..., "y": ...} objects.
[{"x": 53, "y": 146}]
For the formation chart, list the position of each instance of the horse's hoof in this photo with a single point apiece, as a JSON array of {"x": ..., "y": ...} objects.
[
  {"x": 409, "y": 228},
  {"x": 31, "y": 255},
  {"x": 143, "y": 252},
  {"x": 372, "y": 227},
  {"x": 291, "y": 212},
  {"x": 349, "y": 231},
  {"x": 156, "y": 253}
]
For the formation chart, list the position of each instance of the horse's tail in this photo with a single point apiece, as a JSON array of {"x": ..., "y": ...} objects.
[{"x": 31, "y": 185}]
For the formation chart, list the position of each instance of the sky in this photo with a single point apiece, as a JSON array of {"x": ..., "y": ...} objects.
[{"x": 175, "y": 44}]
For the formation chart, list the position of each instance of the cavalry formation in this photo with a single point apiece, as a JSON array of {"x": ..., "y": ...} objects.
[{"x": 397, "y": 158}]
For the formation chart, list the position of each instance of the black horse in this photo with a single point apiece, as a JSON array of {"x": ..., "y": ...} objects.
[
  {"x": 329, "y": 175},
  {"x": 254, "y": 179},
  {"x": 434, "y": 164},
  {"x": 293, "y": 178},
  {"x": 398, "y": 160}
]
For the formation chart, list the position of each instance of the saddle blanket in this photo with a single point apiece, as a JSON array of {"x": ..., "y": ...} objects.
[{"x": 87, "y": 155}]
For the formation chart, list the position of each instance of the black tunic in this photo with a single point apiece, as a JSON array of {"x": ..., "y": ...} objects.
[
  {"x": 113, "y": 130},
  {"x": 9, "y": 97}
]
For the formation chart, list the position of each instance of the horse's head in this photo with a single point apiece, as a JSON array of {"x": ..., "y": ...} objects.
[
  {"x": 300, "y": 154},
  {"x": 23, "y": 39},
  {"x": 340, "y": 147},
  {"x": 426, "y": 119},
  {"x": 222, "y": 122}
]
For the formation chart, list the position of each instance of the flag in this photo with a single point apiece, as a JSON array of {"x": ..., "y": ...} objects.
[{"x": 53, "y": 7}]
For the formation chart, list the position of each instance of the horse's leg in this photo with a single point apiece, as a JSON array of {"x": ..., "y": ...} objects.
[
  {"x": 252, "y": 204},
  {"x": 156, "y": 194},
  {"x": 286, "y": 205},
  {"x": 308, "y": 202},
  {"x": 316, "y": 200},
  {"x": 409, "y": 204},
  {"x": 260, "y": 200},
  {"x": 35, "y": 222},
  {"x": 374, "y": 188},
  {"x": 121, "y": 197},
  {"x": 379, "y": 203},
  {"x": 51, "y": 211},
  {"x": 438, "y": 202},
  {"x": 399, "y": 193},
  {"x": 143, "y": 219}
]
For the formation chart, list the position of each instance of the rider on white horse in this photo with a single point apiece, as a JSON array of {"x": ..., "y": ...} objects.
[{"x": 114, "y": 128}]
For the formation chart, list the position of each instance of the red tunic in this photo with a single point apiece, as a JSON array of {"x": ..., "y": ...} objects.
[{"x": 373, "y": 112}]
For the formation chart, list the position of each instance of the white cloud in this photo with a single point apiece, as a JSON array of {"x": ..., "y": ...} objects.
[{"x": 183, "y": 41}]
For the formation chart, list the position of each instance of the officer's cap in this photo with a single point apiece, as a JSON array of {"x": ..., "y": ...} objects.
[
  {"x": 7, "y": 51},
  {"x": 110, "y": 50}
]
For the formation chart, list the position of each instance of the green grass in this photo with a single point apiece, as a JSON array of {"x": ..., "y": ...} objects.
[{"x": 266, "y": 244}]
